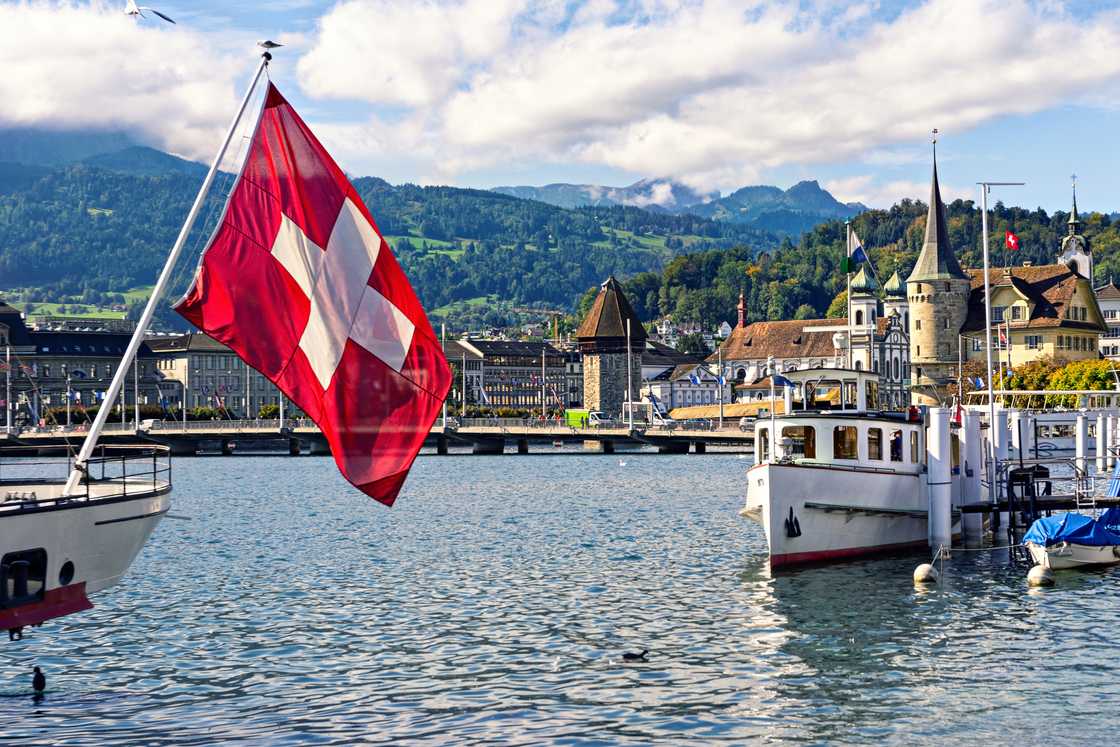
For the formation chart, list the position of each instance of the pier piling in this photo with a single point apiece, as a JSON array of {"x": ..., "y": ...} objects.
[{"x": 939, "y": 478}]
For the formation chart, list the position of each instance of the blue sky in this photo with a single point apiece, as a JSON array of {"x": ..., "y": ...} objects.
[{"x": 717, "y": 93}]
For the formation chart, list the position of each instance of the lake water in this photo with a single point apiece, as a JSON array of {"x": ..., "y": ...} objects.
[{"x": 494, "y": 602}]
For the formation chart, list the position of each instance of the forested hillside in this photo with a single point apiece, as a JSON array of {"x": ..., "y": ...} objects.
[
  {"x": 83, "y": 231},
  {"x": 800, "y": 280}
]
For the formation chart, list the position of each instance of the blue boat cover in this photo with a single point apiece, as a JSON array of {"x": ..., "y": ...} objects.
[
  {"x": 1077, "y": 528},
  {"x": 1111, "y": 519}
]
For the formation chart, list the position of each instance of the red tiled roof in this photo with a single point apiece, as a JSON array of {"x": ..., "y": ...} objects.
[
  {"x": 786, "y": 339},
  {"x": 1050, "y": 288}
]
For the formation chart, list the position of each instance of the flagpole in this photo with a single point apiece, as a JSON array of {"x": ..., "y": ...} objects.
[
  {"x": 773, "y": 438},
  {"x": 443, "y": 344},
  {"x": 136, "y": 390},
  {"x": 719, "y": 381},
  {"x": 985, "y": 187},
  {"x": 158, "y": 291},
  {"x": 8, "y": 388},
  {"x": 629, "y": 393},
  {"x": 69, "y": 397},
  {"x": 464, "y": 411},
  {"x": 542, "y": 383},
  {"x": 848, "y": 269}
]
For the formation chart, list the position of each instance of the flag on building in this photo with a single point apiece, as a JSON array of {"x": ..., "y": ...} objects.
[
  {"x": 856, "y": 255},
  {"x": 298, "y": 281},
  {"x": 1012, "y": 241}
]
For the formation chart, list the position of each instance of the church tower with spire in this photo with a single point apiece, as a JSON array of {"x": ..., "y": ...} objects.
[
  {"x": 1075, "y": 252},
  {"x": 937, "y": 293}
]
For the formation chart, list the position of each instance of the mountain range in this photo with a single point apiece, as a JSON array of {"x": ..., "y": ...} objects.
[{"x": 791, "y": 211}]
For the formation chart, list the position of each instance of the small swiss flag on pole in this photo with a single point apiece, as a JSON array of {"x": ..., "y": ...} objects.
[
  {"x": 1012, "y": 241},
  {"x": 298, "y": 281}
]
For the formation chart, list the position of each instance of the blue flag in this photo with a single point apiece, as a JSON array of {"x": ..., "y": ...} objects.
[
  {"x": 780, "y": 380},
  {"x": 858, "y": 254},
  {"x": 694, "y": 378}
]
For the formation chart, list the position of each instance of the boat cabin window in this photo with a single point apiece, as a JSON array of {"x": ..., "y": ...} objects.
[
  {"x": 851, "y": 400},
  {"x": 875, "y": 444},
  {"x": 763, "y": 445},
  {"x": 825, "y": 395},
  {"x": 914, "y": 447},
  {"x": 845, "y": 444},
  {"x": 872, "y": 395},
  {"x": 803, "y": 440},
  {"x": 896, "y": 446}
]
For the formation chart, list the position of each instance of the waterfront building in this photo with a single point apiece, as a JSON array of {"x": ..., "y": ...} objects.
[
  {"x": 1108, "y": 298},
  {"x": 684, "y": 386},
  {"x": 508, "y": 373},
  {"x": 50, "y": 363},
  {"x": 1050, "y": 310},
  {"x": 610, "y": 351},
  {"x": 203, "y": 372},
  {"x": 879, "y": 343}
]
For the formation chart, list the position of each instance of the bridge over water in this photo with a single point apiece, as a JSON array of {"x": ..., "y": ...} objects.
[{"x": 480, "y": 435}]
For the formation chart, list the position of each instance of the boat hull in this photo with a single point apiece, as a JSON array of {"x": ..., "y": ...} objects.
[
  {"x": 819, "y": 513},
  {"x": 99, "y": 539},
  {"x": 1072, "y": 555}
]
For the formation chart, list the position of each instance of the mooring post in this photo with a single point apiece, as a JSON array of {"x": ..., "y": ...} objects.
[
  {"x": 971, "y": 458},
  {"x": 1081, "y": 442},
  {"x": 1102, "y": 441},
  {"x": 939, "y": 479},
  {"x": 999, "y": 438}
]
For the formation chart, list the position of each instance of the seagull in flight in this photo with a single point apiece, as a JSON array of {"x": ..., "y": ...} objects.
[{"x": 132, "y": 9}]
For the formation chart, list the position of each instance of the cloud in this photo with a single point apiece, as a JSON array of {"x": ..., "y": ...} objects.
[
  {"x": 714, "y": 92},
  {"x": 80, "y": 65},
  {"x": 866, "y": 189}
]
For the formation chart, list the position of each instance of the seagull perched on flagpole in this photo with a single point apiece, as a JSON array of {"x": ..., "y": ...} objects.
[{"x": 132, "y": 9}]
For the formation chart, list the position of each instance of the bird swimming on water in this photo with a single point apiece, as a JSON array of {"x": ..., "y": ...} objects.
[
  {"x": 39, "y": 681},
  {"x": 629, "y": 656}
]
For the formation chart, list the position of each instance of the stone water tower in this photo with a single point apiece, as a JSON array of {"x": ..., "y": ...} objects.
[{"x": 603, "y": 346}]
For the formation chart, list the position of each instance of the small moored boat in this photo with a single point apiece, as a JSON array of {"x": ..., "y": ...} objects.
[{"x": 1073, "y": 540}]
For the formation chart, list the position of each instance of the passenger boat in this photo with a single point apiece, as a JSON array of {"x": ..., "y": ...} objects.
[
  {"x": 58, "y": 547},
  {"x": 834, "y": 479},
  {"x": 1075, "y": 540}
]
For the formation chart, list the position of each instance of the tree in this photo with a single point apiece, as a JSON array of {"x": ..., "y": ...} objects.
[
  {"x": 693, "y": 343},
  {"x": 268, "y": 412},
  {"x": 838, "y": 309},
  {"x": 804, "y": 311}
]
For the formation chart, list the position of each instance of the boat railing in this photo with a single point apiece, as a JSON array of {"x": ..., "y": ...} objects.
[{"x": 29, "y": 480}]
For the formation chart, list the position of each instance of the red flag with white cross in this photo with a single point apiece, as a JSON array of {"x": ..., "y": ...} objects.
[
  {"x": 1012, "y": 241},
  {"x": 298, "y": 281}
]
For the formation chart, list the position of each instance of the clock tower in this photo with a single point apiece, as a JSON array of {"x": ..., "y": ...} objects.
[{"x": 1075, "y": 252}]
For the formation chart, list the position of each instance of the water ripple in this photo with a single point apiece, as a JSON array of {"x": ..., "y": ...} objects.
[{"x": 493, "y": 605}]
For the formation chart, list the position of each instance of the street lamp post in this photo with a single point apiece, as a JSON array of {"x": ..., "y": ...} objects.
[{"x": 985, "y": 188}]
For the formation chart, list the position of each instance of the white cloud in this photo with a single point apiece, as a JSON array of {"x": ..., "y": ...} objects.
[
  {"x": 711, "y": 91},
  {"x": 83, "y": 65},
  {"x": 866, "y": 189}
]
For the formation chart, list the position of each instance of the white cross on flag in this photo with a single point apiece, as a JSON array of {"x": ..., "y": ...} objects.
[{"x": 298, "y": 281}]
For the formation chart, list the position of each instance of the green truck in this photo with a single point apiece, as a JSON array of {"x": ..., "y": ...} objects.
[{"x": 584, "y": 418}]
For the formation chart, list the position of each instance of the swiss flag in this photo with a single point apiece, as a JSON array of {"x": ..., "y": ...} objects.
[
  {"x": 298, "y": 281},
  {"x": 1012, "y": 241}
]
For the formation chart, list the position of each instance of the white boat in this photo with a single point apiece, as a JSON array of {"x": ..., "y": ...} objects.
[
  {"x": 837, "y": 483},
  {"x": 1075, "y": 540},
  {"x": 57, "y": 549}
]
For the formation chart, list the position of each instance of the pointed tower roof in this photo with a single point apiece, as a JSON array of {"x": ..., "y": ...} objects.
[
  {"x": 607, "y": 319},
  {"x": 937, "y": 260},
  {"x": 864, "y": 282},
  {"x": 1074, "y": 222},
  {"x": 894, "y": 286}
]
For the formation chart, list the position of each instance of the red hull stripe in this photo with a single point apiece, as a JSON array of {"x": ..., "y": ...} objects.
[
  {"x": 817, "y": 556},
  {"x": 65, "y": 600}
]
